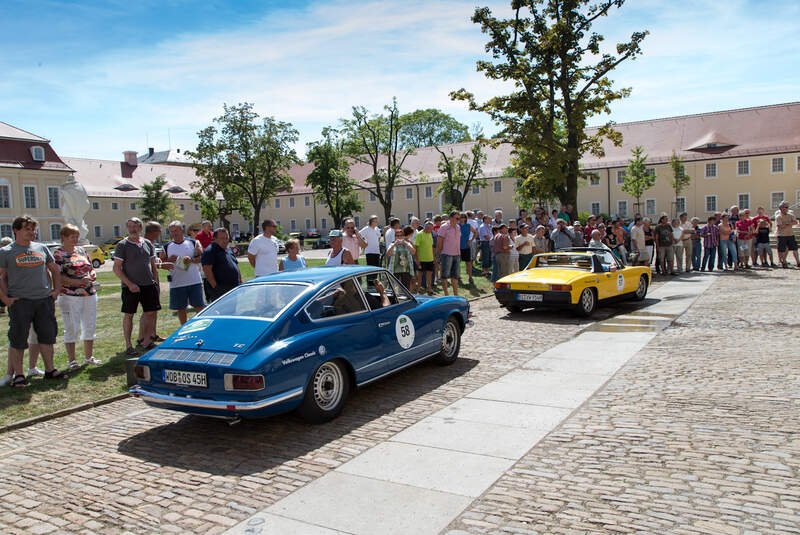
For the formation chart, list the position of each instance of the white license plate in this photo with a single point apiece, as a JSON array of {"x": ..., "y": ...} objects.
[
  {"x": 529, "y": 297},
  {"x": 178, "y": 377}
]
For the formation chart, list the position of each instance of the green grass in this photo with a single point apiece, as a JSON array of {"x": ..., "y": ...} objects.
[{"x": 92, "y": 383}]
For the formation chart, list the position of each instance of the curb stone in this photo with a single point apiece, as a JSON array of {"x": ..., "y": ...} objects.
[{"x": 92, "y": 404}]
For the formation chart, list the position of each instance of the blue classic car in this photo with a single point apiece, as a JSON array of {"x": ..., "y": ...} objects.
[{"x": 299, "y": 340}]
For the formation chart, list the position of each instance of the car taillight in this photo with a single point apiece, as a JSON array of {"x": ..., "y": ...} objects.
[
  {"x": 243, "y": 382},
  {"x": 142, "y": 372},
  {"x": 502, "y": 285},
  {"x": 561, "y": 287}
]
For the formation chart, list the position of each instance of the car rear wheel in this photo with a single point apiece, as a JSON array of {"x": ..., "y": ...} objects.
[
  {"x": 326, "y": 393},
  {"x": 641, "y": 290},
  {"x": 96, "y": 263},
  {"x": 587, "y": 303},
  {"x": 451, "y": 342}
]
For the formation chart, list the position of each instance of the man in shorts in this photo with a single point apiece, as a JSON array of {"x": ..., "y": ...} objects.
[
  {"x": 135, "y": 266},
  {"x": 186, "y": 285},
  {"x": 30, "y": 283},
  {"x": 423, "y": 242},
  {"x": 784, "y": 221},
  {"x": 448, "y": 245}
]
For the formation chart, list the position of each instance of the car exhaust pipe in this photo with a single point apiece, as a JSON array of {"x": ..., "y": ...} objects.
[{"x": 233, "y": 421}]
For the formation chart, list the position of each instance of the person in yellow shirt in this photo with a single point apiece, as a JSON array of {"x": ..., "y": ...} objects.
[{"x": 424, "y": 245}]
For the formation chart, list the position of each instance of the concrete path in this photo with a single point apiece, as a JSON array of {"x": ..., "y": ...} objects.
[{"x": 425, "y": 476}]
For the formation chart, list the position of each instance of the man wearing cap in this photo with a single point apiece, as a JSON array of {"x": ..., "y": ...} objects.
[
  {"x": 338, "y": 255},
  {"x": 561, "y": 236},
  {"x": 784, "y": 222}
]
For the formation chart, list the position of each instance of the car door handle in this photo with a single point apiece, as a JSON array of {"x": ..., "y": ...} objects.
[{"x": 384, "y": 323}]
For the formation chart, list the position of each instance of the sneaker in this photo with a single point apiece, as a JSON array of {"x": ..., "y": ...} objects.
[
  {"x": 93, "y": 361},
  {"x": 5, "y": 380},
  {"x": 35, "y": 372},
  {"x": 73, "y": 365}
]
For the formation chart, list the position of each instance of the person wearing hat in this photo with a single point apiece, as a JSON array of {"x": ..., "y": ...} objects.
[
  {"x": 338, "y": 255},
  {"x": 562, "y": 236}
]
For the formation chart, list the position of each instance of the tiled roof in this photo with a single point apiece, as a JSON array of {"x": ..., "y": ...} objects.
[
  {"x": 16, "y": 154},
  {"x": 748, "y": 132},
  {"x": 12, "y": 132},
  {"x": 166, "y": 156},
  {"x": 100, "y": 177}
]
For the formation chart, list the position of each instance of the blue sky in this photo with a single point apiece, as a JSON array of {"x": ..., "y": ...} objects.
[{"x": 98, "y": 78}]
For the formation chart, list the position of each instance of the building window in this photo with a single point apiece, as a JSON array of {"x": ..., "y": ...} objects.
[
  {"x": 5, "y": 193},
  {"x": 595, "y": 208},
  {"x": 196, "y": 207},
  {"x": 235, "y": 228},
  {"x": 115, "y": 206},
  {"x": 55, "y": 231},
  {"x": 409, "y": 193},
  {"x": 357, "y": 221},
  {"x": 711, "y": 203},
  {"x": 622, "y": 208},
  {"x": 37, "y": 153},
  {"x": 620, "y": 177},
  {"x": 291, "y": 202},
  {"x": 428, "y": 192},
  {"x": 372, "y": 197},
  {"x": 117, "y": 231},
  {"x": 183, "y": 207},
  {"x": 323, "y": 223},
  {"x": 777, "y": 165},
  {"x": 95, "y": 205},
  {"x": 53, "y": 200},
  {"x": 711, "y": 170},
  {"x": 98, "y": 231},
  {"x": 744, "y": 201},
  {"x": 798, "y": 164},
  {"x": 498, "y": 186},
  {"x": 409, "y": 215},
  {"x": 680, "y": 204},
  {"x": 428, "y": 215},
  {"x": 650, "y": 171},
  {"x": 277, "y": 203},
  {"x": 133, "y": 206},
  {"x": 650, "y": 207},
  {"x": 476, "y": 190},
  {"x": 6, "y": 231},
  {"x": 743, "y": 168},
  {"x": 776, "y": 197},
  {"x": 29, "y": 192},
  {"x": 594, "y": 180},
  {"x": 308, "y": 222},
  {"x": 293, "y": 224},
  {"x": 307, "y": 200}
]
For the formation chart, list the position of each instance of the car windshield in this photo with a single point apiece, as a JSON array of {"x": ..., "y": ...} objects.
[
  {"x": 255, "y": 300},
  {"x": 576, "y": 261}
]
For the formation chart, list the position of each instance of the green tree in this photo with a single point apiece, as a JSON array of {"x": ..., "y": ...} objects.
[
  {"x": 246, "y": 159},
  {"x": 155, "y": 203},
  {"x": 637, "y": 179},
  {"x": 330, "y": 179},
  {"x": 561, "y": 80},
  {"x": 680, "y": 180}
]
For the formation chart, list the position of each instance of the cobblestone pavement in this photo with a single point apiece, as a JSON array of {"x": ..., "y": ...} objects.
[
  {"x": 125, "y": 466},
  {"x": 698, "y": 433}
]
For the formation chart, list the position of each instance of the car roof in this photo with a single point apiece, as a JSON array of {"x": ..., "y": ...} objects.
[{"x": 314, "y": 275}]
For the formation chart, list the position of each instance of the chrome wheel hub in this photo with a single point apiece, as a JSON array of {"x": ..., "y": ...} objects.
[
  {"x": 449, "y": 339},
  {"x": 328, "y": 382}
]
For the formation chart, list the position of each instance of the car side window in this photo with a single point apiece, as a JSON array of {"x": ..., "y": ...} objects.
[
  {"x": 378, "y": 290},
  {"x": 400, "y": 291},
  {"x": 337, "y": 300}
]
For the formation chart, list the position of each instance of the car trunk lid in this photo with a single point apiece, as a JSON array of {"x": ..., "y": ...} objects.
[{"x": 233, "y": 335}]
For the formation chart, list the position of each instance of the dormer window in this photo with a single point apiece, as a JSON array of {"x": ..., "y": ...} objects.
[{"x": 37, "y": 153}]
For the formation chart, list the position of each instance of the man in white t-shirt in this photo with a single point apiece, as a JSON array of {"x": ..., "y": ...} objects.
[
  {"x": 186, "y": 285},
  {"x": 263, "y": 250},
  {"x": 372, "y": 235}
]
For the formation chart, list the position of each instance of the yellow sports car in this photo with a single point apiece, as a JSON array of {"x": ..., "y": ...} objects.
[{"x": 579, "y": 278}]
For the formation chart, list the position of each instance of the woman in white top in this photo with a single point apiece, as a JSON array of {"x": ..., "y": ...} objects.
[
  {"x": 372, "y": 234},
  {"x": 338, "y": 255}
]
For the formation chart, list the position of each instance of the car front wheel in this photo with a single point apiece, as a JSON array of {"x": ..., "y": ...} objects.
[
  {"x": 451, "y": 342},
  {"x": 326, "y": 393},
  {"x": 96, "y": 263},
  {"x": 587, "y": 303},
  {"x": 641, "y": 289}
]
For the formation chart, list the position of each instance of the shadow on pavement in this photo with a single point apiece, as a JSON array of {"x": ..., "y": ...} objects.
[{"x": 254, "y": 446}]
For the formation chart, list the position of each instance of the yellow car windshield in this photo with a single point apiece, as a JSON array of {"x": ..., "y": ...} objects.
[{"x": 575, "y": 261}]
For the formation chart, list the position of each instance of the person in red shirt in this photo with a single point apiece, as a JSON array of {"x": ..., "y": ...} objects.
[
  {"x": 744, "y": 235},
  {"x": 205, "y": 236},
  {"x": 756, "y": 222}
]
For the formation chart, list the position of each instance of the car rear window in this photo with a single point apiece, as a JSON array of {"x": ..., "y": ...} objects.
[
  {"x": 255, "y": 300},
  {"x": 564, "y": 260}
]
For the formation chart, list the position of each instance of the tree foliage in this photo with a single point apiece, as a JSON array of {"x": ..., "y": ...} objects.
[
  {"x": 680, "y": 180},
  {"x": 330, "y": 180},
  {"x": 245, "y": 158},
  {"x": 155, "y": 204},
  {"x": 560, "y": 76},
  {"x": 637, "y": 179}
]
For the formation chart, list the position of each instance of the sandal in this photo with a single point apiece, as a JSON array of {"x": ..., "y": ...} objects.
[
  {"x": 19, "y": 382},
  {"x": 158, "y": 338},
  {"x": 55, "y": 374},
  {"x": 93, "y": 361},
  {"x": 73, "y": 365},
  {"x": 149, "y": 346},
  {"x": 131, "y": 352}
]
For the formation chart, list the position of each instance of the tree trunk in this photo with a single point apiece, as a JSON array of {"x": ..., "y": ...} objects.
[
  {"x": 387, "y": 210},
  {"x": 256, "y": 216}
]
